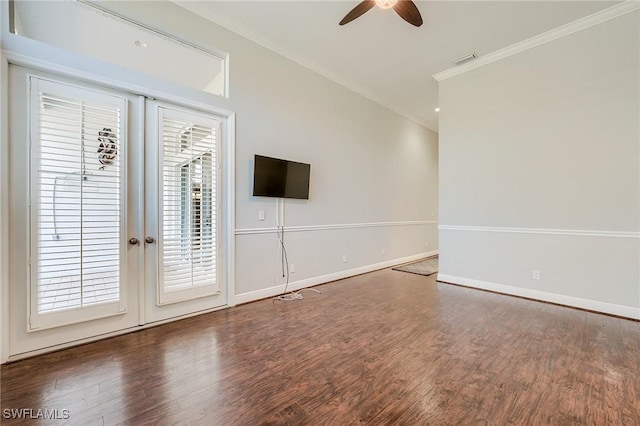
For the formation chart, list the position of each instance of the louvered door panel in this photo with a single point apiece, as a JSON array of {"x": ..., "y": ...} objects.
[
  {"x": 76, "y": 204},
  {"x": 188, "y": 196}
]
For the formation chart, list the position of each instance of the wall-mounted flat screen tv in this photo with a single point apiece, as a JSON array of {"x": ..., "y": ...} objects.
[{"x": 273, "y": 177}]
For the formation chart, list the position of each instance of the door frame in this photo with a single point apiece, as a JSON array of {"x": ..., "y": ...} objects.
[{"x": 37, "y": 57}]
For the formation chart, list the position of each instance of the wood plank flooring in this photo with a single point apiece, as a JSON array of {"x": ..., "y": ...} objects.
[{"x": 378, "y": 349}]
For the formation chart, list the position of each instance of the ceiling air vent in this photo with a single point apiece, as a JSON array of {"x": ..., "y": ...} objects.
[{"x": 465, "y": 59}]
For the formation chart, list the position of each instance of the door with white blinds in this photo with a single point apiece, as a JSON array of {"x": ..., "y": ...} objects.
[
  {"x": 72, "y": 271},
  {"x": 76, "y": 204},
  {"x": 182, "y": 211},
  {"x": 115, "y": 211}
]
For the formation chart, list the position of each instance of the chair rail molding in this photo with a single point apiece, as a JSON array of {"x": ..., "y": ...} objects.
[{"x": 543, "y": 231}]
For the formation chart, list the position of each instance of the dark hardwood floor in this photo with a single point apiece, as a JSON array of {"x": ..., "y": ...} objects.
[{"x": 382, "y": 348}]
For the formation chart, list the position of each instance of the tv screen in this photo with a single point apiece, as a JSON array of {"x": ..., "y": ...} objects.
[{"x": 273, "y": 177}]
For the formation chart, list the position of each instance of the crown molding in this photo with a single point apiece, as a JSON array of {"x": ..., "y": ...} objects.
[
  {"x": 235, "y": 27},
  {"x": 607, "y": 14}
]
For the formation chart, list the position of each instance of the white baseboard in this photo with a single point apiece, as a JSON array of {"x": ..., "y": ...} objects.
[
  {"x": 310, "y": 282},
  {"x": 591, "y": 305}
]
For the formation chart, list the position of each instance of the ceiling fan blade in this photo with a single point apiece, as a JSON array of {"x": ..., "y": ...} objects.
[
  {"x": 409, "y": 12},
  {"x": 358, "y": 11}
]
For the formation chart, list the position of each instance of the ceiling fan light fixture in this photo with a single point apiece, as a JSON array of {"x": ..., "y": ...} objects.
[
  {"x": 407, "y": 10},
  {"x": 386, "y": 4}
]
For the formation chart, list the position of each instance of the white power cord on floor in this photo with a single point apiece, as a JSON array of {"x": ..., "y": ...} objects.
[{"x": 293, "y": 295}]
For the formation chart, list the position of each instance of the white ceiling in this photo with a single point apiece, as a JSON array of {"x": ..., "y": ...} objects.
[{"x": 381, "y": 56}]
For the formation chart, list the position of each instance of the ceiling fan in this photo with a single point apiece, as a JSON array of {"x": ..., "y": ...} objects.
[{"x": 407, "y": 10}]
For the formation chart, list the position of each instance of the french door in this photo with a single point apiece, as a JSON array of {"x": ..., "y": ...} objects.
[
  {"x": 183, "y": 210},
  {"x": 114, "y": 211}
]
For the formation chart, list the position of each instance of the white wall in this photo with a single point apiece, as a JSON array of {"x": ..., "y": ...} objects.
[
  {"x": 546, "y": 143},
  {"x": 372, "y": 170},
  {"x": 368, "y": 164}
]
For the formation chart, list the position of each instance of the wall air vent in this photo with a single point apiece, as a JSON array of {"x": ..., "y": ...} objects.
[{"x": 465, "y": 59}]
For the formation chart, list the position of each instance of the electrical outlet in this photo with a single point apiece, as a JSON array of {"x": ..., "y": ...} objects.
[
  {"x": 261, "y": 215},
  {"x": 535, "y": 275},
  {"x": 382, "y": 252},
  {"x": 344, "y": 258},
  {"x": 426, "y": 243},
  {"x": 292, "y": 268}
]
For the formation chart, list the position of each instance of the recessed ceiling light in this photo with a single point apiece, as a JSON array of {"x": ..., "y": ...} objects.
[
  {"x": 437, "y": 109},
  {"x": 140, "y": 43}
]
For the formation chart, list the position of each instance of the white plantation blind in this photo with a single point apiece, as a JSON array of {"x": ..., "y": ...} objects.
[
  {"x": 189, "y": 204},
  {"x": 76, "y": 200}
]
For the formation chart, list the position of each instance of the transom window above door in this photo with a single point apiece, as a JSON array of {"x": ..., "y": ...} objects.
[{"x": 116, "y": 39}]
